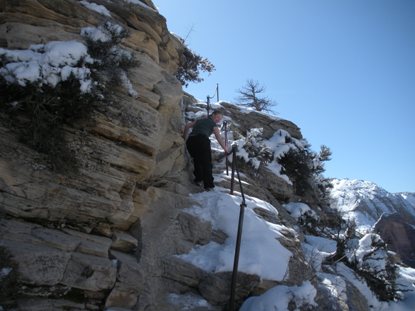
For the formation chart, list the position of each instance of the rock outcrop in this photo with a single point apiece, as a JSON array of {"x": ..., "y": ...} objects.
[{"x": 91, "y": 234}]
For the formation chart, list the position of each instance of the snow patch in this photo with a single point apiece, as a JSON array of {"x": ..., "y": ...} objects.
[
  {"x": 48, "y": 64},
  {"x": 299, "y": 209},
  {"x": 127, "y": 84},
  {"x": 261, "y": 252},
  {"x": 96, "y": 7},
  {"x": 279, "y": 297},
  {"x": 140, "y": 3},
  {"x": 365, "y": 253},
  {"x": 335, "y": 284},
  {"x": 316, "y": 249}
]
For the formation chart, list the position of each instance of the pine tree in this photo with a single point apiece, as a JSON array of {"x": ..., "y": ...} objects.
[{"x": 250, "y": 95}]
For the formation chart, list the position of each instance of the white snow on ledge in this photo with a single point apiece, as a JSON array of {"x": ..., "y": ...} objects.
[
  {"x": 140, "y": 3},
  {"x": 261, "y": 252},
  {"x": 96, "y": 7},
  {"x": 279, "y": 297},
  {"x": 48, "y": 64}
]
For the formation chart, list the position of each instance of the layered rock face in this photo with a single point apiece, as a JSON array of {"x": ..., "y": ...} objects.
[
  {"x": 136, "y": 138},
  {"x": 90, "y": 235}
]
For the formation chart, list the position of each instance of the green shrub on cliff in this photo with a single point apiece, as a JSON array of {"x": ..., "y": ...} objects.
[{"x": 51, "y": 86}]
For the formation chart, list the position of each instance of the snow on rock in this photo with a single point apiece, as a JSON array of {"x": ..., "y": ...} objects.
[
  {"x": 248, "y": 110},
  {"x": 261, "y": 252},
  {"x": 406, "y": 284},
  {"x": 96, "y": 34},
  {"x": 128, "y": 85},
  {"x": 48, "y": 64},
  {"x": 298, "y": 209},
  {"x": 335, "y": 284},
  {"x": 321, "y": 244},
  {"x": 112, "y": 32},
  {"x": 279, "y": 297},
  {"x": 256, "y": 150},
  {"x": 366, "y": 253},
  {"x": 316, "y": 249},
  {"x": 103, "y": 33},
  {"x": 195, "y": 115},
  {"x": 96, "y": 7},
  {"x": 140, "y": 3},
  {"x": 278, "y": 144}
]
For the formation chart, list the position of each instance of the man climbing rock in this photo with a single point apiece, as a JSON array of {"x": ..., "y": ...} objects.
[{"x": 198, "y": 145}]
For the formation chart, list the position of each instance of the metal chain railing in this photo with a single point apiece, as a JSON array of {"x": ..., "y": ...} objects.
[
  {"x": 240, "y": 227},
  {"x": 225, "y": 126}
]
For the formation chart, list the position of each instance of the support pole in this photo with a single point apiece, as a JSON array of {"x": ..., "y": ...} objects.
[
  {"x": 225, "y": 124},
  {"x": 217, "y": 92},
  {"x": 236, "y": 258},
  {"x": 231, "y": 303},
  {"x": 233, "y": 168},
  {"x": 208, "y": 105}
]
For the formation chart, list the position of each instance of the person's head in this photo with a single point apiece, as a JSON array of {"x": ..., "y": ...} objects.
[{"x": 216, "y": 116}]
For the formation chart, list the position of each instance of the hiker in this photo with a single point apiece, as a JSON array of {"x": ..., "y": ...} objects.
[{"x": 198, "y": 145}]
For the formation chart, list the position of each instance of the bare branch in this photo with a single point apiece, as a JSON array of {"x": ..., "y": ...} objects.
[{"x": 250, "y": 95}]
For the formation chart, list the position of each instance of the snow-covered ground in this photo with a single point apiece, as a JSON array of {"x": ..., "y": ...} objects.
[{"x": 261, "y": 252}]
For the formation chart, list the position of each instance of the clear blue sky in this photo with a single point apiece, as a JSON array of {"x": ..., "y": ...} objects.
[{"x": 342, "y": 70}]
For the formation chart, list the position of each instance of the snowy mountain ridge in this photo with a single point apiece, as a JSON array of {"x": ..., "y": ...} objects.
[{"x": 365, "y": 202}]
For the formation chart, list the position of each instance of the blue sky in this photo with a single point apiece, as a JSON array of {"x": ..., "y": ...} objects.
[{"x": 343, "y": 71}]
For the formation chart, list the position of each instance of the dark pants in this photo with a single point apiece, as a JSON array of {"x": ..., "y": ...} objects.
[{"x": 199, "y": 149}]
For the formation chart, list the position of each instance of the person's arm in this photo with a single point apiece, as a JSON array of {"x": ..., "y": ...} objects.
[
  {"x": 219, "y": 138},
  {"x": 187, "y": 127}
]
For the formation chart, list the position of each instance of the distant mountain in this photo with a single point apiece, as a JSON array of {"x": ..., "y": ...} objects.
[
  {"x": 365, "y": 202},
  {"x": 373, "y": 208}
]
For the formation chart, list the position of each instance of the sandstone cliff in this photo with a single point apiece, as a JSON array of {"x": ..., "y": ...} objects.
[{"x": 81, "y": 235}]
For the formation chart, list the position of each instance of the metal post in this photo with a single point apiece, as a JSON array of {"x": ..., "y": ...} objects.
[
  {"x": 208, "y": 105},
  {"x": 236, "y": 258},
  {"x": 226, "y": 145},
  {"x": 217, "y": 92},
  {"x": 233, "y": 168},
  {"x": 240, "y": 227}
]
